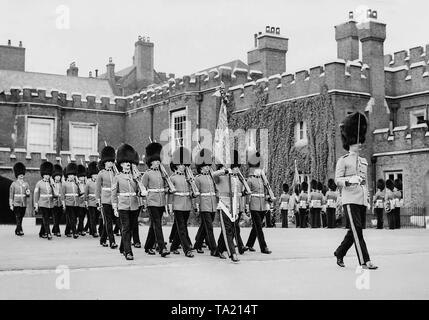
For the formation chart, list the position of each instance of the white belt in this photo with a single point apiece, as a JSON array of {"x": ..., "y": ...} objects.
[
  {"x": 182, "y": 194},
  {"x": 207, "y": 194},
  {"x": 127, "y": 194},
  {"x": 71, "y": 194},
  {"x": 91, "y": 195},
  {"x": 106, "y": 189},
  {"x": 45, "y": 195},
  {"x": 155, "y": 190},
  {"x": 258, "y": 195},
  {"x": 19, "y": 195}
]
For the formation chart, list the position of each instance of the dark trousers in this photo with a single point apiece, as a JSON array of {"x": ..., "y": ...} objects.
[
  {"x": 268, "y": 219},
  {"x": 205, "y": 231},
  {"x": 135, "y": 232},
  {"x": 71, "y": 216},
  {"x": 81, "y": 218},
  {"x": 379, "y": 214},
  {"x": 391, "y": 219},
  {"x": 128, "y": 221},
  {"x": 284, "y": 218},
  {"x": 257, "y": 232},
  {"x": 117, "y": 222},
  {"x": 324, "y": 219},
  {"x": 107, "y": 231},
  {"x": 397, "y": 213},
  {"x": 172, "y": 232},
  {"x": 46, "y": 213},
  {"x": 330, "y": 213},
  {"x": 181, "y": 236},
  {"x": 297, "y": 220},
  {"x": 93, "y": 216},
  {"x": 363, "y": 218},
  {"x": 155, "y": 230},
  {"x": 229, "y": 234},
  {"x": 19, "y": 215},
  {"x": 56, "y": 216},
  {"x": 315, "y": 217},
  {"x": 303, "y": 218},
  {"x": 353, "y": 213},
  {"x": 237, "y": 234}
]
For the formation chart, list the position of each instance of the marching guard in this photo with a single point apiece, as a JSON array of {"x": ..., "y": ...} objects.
[
  {"x": 156, "y": 182},
  {"x": 378, "y": 202},
  {"x": 315, "y": 200},
  {"x": 125, "y": 195},
  {"x": 257, "y": 201},
  {"x": 397, "y": 194},
  {"x": 90, "y": 198},
  {"x": 303, "y": 205},
  {"x": 81, "y": 176},
  {"x": 186, "y": 190},
  {"x": 389, "y": 203},
  {"x": 331, "y": 203},
  {"x": 19, "y": 191},
  {"x": 57, "y": 210},
  {"x": 351, "y": 177},
  {"x": 103, "y": 193},
  {"x": 43, "y": 197},
  {"x": 70, "y": 199},
  {"x": 207, "y": 203},
  {"x": 284, "y": 204}
]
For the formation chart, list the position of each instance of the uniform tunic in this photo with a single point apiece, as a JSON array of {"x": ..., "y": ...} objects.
[
  {"x": 155, "y": 185},
  {"x": 103, "y": 190},
  {"x": 256, "y": 199},
  {"x": 207, "y": 199},
  {"x": 57, "y": 193},
  {"x": 70, "y": 193},
  {"x": 90, "y": 196},
  {"x": 182, "y": 198},
  {"x": 43, "y": 194},
  {"x": 18, "y": 193},
  {"x": 124, "y": 193},
  {"x": 347, "y": 166},
  {"x": 82, "y": 198}
]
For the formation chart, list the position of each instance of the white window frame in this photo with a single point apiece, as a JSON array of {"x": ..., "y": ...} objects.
[
  {"x": 395, "y": 174},
  {"x": 414, "y": 113},
  {"x": 298, "y": 140},
  {"x": 94, "y": 128},
  {"x": 40, "y": 120},
  {"x": 174, "y": 114}
]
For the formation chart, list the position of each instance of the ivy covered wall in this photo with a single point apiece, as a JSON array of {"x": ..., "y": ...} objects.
[{"x": 317, "y": 158}]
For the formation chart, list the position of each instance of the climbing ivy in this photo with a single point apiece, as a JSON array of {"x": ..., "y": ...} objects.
[{"x": 280, "y": 119}]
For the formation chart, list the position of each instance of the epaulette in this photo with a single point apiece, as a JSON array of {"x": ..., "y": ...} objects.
[{"x": 346, "y": 155}]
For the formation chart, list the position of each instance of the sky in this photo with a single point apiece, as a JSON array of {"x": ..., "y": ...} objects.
[{"x": 191, "y": 35}]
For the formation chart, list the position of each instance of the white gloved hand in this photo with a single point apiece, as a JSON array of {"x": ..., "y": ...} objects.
[
  {"x": 116, "y": 213},
  {"x": 355, "y": 180}
]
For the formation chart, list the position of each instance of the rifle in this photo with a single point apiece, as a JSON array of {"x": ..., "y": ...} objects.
[{"x": 267, "y": 186}]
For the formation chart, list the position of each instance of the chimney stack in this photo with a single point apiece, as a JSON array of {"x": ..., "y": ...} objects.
[
  {"x": 96, "y": 73},
  {"x": 346, "y": 35},
  {"x": 73, "y": 71},
  {"x": 143, "y": 61},
  {"x": 11, "y": 57},
  {"x": 269, "y": 55}
]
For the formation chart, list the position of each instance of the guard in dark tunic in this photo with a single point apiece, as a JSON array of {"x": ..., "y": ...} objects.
[
  {"x": 351, "y": 178},
  {"x": 19, "y": 192}
]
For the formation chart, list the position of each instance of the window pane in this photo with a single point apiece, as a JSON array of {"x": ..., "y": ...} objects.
[
  {"x": 82, "y": 139},
  {"x": 40, "y": 135}
]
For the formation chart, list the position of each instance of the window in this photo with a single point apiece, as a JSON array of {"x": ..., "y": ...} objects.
[
  {"x": 417, "y": 116},
  {"x": 301, "y": 133},
  {"x": 40, "y": 135},
  {"x": 179, "y": 130},
  {"x": 393, "y": 175},
  {"x": 83, "y": 138}
]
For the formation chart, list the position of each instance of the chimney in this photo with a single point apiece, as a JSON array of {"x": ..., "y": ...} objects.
[
  {"x": 269, "y": 56},
  {"x": 96, "y": 73},
  {"x": 73, "y": 71},
  {"x": 12, "y": 58},
  {"x": 143, "y": 61},
  {"x": 90, "y": 74},
  {"x": 346, "y": 35},
  {"x": 110, "y": 67}
]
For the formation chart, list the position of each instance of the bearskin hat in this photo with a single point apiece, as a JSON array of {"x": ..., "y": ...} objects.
[
  {"x": 203, "y": 158},
  {"x": 351, "y": 126},
  {"x": 46, "y": 168},
  {"x": 297, "y": 189},
  {"x": 390, "y": 185},
  {"x": 92, "y": 168},
  {"x": 331, "y": 185},
  {"x": 181, "y": 155},
  {"x": 254, "y": 159},
  {"x": 304, "y": 186},
  {"x": 381, "y": 184},
  {"x": 81, "y": 170},
  {"x": 398, "y": 184},
  {"x": 58, "y": 170},
  {"x": 235, "y": 160},
  {"x": 107, "y": 154},
  {"x": 313, "y": 184},
  {"x": 319, "y": 186},
  {"x": 285, "y": 187},
  {"x": 125, "y": 153},
  {"x": 71, "y": 169},
  {"x": 19, "y": 168},
  {"x": 153, "y": 152}
]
